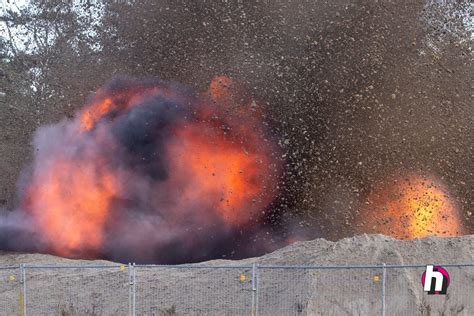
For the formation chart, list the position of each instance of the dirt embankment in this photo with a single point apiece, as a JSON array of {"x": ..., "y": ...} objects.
[{"x": 228, "y": 291}]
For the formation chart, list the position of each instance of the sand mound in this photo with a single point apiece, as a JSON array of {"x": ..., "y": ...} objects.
[{"x": 228, "y": 291}]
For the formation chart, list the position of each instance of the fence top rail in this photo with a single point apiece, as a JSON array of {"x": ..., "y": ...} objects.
[
  {"x": 193, "y": 266},
  {"x": 8, "y": 267},
  {"x": 374, "y": 266},
  {"x": 217, "y": 266},
  {"x": 264, "y": 266},
  {"x": 73, "y": 266}
]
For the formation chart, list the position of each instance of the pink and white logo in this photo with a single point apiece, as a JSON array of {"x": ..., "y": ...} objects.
[{"x": 435, "y": 280}]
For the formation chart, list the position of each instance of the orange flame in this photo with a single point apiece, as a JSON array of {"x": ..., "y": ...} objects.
[
  {"x": 412, "y": 208},
  {"x": 95, "y": 112},
  {"x": 71, "y": 201},
  {"x": 222, "y": 170}
]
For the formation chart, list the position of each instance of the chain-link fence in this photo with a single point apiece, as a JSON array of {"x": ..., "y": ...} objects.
[
  {"x": 230, "y": 290},
  {"x": 11, "y": 296},
  {"x": 90, "y": 290},
  {"x": 312, "y": 290},
  {"x": 193, "y": 291}
]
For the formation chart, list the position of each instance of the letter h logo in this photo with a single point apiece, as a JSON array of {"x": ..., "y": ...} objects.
[{"x": 435, "y": 280}]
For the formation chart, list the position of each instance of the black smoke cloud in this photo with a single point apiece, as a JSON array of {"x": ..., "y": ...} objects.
[{"x": 148, "y": 215}]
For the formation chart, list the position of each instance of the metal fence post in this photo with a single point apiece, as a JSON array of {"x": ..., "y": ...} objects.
[
  {"x": 130, "y": 289},
  {"x": 254, "y": 290},
  {"x": 23, "y": 290},
  {"x": 384, "y": 270},
  {"x": 134, "y": 282}
]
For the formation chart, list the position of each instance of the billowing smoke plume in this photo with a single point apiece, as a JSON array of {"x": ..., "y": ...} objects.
[{"x": 152, "y": 172}]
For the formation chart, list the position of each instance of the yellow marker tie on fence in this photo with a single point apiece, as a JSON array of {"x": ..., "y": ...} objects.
[
  {"x": 376, "y": 278},
  {"x": 12, "y": 278},
  {"x": 242, "y": 277},
  {"x": 122, "y": 267}
]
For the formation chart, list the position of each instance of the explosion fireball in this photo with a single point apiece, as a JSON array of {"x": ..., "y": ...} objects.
[
  {"x": 150, "y": 170},
  {"x": 412, "y": 207}
]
